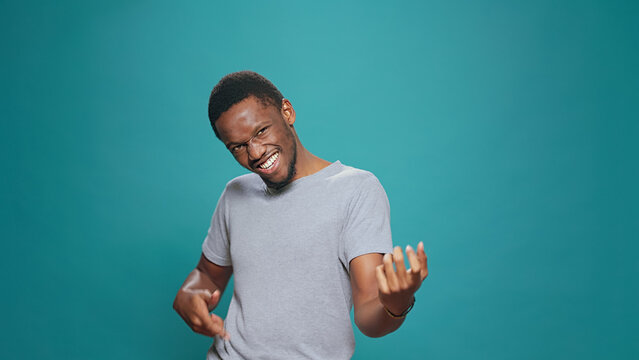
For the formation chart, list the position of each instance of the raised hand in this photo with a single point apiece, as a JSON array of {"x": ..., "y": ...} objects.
[
  {"x": 194, "y": 307},
  {"x": 398, "y": 285}
]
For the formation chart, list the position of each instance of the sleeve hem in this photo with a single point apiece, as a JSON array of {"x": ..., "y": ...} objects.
[
  {"x": 364, "y": 252},
  {"x": 213, "y": 257}
]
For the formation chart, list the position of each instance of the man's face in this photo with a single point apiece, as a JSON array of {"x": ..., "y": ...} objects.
[{"x": 261, "y": 139}]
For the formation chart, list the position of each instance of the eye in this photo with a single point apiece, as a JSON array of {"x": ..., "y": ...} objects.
[
  {"x": 262, "y": 131},
  {"x": 237, "y": 148}
]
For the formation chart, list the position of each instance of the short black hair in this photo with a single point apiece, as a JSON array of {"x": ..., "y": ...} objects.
[{"x": 236, "y": 87}]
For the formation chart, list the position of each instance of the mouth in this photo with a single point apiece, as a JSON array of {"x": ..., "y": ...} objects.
[{"x": 269, "y": 165}]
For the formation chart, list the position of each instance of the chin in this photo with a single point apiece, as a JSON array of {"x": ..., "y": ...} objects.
[
  {"x": 282, "y": 181},
  {"x": 274, "y": 183}
]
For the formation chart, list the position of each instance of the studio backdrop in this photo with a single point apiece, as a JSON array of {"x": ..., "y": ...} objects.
[{"x": 504, "y": 133}]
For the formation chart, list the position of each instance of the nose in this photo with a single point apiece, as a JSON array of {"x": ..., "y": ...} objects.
[{"x": 255, "y": 149}]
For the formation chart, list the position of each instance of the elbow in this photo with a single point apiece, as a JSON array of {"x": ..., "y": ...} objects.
[
  {"x": 175, "y": 302},
  {"x": 371, "y": 330},
  {"x": 373, "y": 334}
]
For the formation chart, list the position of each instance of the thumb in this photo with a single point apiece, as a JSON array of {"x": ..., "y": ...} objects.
[{"x": 214, "y": 298}]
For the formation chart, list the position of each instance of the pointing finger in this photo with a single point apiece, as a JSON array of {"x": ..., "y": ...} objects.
[
  {"x": 199, "y": 313},
  {"x": 201, "y": 321},
  {"x": 218, "y": 327},
  {"x": 204, "y": 325},
  {"x": 213, "y": 325}
]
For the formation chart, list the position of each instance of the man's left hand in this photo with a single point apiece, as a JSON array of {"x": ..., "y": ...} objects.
[{"x": 398, "y": 285}]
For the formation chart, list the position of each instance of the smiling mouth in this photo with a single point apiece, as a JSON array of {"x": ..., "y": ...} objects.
[{"x": 269, "y": 162}]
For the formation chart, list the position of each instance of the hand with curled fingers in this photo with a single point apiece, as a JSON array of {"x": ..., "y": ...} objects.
[
  {"x": 397, "y": 285},
  {"x": 194, "y": 307}
]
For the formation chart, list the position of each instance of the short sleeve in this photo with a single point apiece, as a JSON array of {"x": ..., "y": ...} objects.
[
  {"x": 367, "y": 225},
  {"x": 216, "y": 247}
]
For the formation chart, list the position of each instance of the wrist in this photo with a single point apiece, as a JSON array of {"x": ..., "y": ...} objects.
[
  {"x": 399, "y": 312},
  {"x": 397, "y": 306}
]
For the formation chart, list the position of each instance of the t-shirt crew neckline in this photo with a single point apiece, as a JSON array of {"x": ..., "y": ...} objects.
[{"x": 323, "y": 173}]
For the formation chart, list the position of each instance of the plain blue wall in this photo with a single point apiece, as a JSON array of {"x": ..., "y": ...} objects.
[{"x": 506, "y": 135}]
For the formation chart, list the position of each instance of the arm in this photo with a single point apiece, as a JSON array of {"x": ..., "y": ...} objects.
[
  {"x": 199, "y": 295},
  {"x": 376, "y": 285}
]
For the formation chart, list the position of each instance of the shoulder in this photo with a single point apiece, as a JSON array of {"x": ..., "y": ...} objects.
[
  {"x": 362, "y": 191},
  {"x": 351, "y": 176},
  {"x": 243, "y": 184},
  {"x": 357, "y": 185}
]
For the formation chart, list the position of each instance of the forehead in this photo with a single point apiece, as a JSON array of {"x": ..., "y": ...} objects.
[{"x": 241, "y": 120}]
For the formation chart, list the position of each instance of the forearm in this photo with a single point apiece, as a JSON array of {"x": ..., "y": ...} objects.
[
  {"x": 372, "y": 320},
  {"x": 198, "y": 282}
]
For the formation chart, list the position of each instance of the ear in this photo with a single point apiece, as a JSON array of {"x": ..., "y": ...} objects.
[{"x": 288, "y": 112}]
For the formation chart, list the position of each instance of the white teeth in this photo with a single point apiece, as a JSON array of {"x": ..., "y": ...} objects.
[{"x": 268, "y": 163}]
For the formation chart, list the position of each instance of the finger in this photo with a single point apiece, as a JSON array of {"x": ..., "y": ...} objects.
[
  {"x": 214, "y": 299},
  {"x": 197, "y": 312},
  {"x": 382, "y": 284},
  {"x": 423, "y": 260},
  {"x": 208, "y": 327},
  {"x": 218, "y": 327},
  {"x": 398, "y": 256},
  {"x": 391, "y": 277},
  {"x": 200, "y": 320},
  {"x": 415, "y": 268},
  {"x": 200, "y": 325}
]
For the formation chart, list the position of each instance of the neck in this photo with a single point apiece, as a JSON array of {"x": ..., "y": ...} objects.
[{"x": 307, "y": 163}]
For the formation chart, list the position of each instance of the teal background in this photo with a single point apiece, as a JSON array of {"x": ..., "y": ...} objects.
[{"x": 505, "y": 134}]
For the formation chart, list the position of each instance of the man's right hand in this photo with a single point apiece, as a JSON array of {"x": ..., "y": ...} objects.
[{"x": 194, "y": 306}]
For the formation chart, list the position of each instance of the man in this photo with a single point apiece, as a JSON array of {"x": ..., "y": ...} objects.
[{"x": 305, "y": 239}]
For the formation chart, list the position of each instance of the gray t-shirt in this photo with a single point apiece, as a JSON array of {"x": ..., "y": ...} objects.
[{"x": 290, "y": 250}]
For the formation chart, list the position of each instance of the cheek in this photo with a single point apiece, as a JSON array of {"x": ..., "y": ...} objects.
[
  {"x": 242, "y": 160},
  {"x": 274, "y": 138},
  {"x": 285, "y": 137}
]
